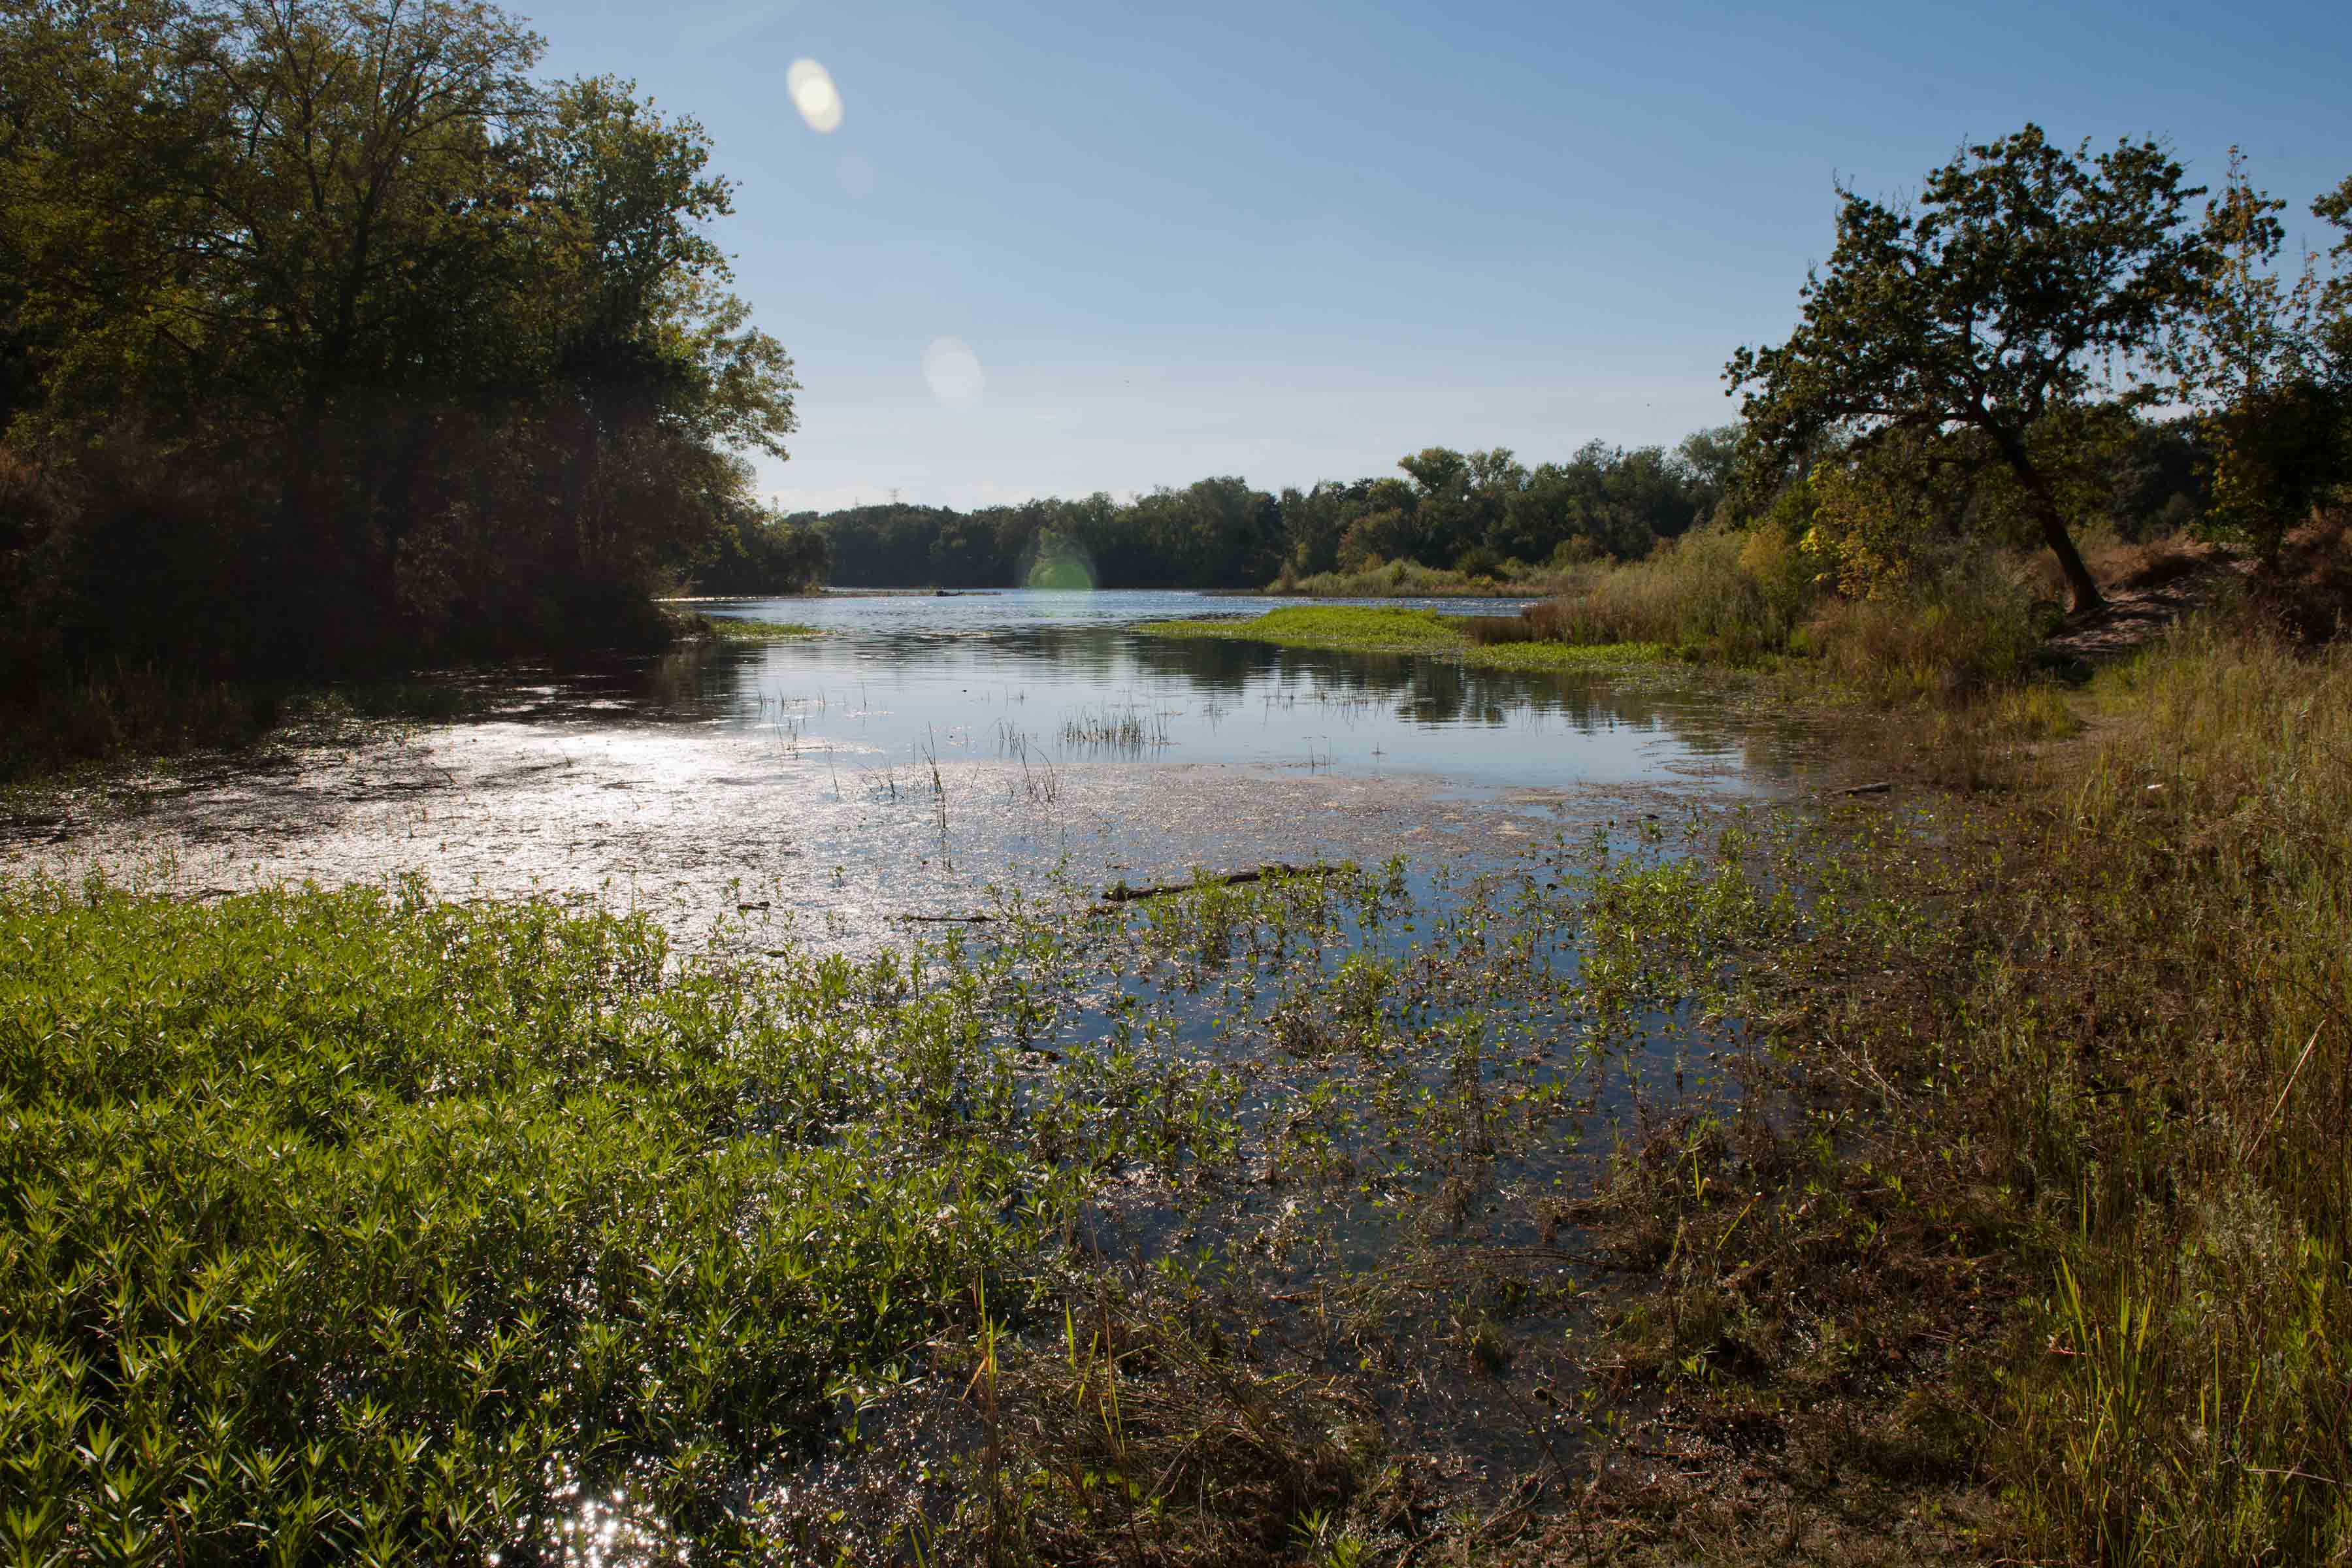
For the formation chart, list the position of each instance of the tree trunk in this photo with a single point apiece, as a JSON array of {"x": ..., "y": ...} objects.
[
  {"x": 2070, "y": 561},
  {"x": 2085, "y": 586}
]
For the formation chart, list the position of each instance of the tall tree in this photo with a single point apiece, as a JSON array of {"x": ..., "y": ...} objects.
[
  {"x": 2028, "y": 280},
  {"x": 2250, "y": 359}
]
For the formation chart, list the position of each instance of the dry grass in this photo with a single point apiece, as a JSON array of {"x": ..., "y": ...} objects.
[
  {"x": 2058, "y": 1212},
  {"x": 2151, "y": 563},
  {"x": 1735, "y": 597},
  {"x": 2307, "y": 592}
]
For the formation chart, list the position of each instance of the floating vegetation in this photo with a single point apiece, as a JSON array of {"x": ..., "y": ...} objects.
[
  {"x": 365, "y": 1222},
  {"x": 1362, "y": 628}
]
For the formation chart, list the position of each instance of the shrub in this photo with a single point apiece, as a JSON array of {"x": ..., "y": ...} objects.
[
  {"x": 1970, "y": 631},
  {"x": 1719, "y": 593}
]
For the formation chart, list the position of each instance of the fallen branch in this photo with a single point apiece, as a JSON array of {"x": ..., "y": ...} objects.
[{"x": 1121, "y": 893}]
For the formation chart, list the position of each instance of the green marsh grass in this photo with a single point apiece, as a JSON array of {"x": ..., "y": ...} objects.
[
  {"x": 364, "y": 1223},
  {"x": 739, "y": 629},
  {"x": 1366, "y": 628},
  {"x": 359, "y": 1223}
]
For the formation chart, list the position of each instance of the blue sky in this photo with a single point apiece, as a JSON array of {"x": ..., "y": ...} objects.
[{"x": 1293, "y": 242}]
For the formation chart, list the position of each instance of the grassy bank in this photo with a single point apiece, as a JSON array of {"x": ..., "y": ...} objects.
[
  {"x": 1353, "y": 628},
  {"x": 1731, "y": 599},
  {"x": 2051, "y": 1240},
  {"x": 1411, "y": 580}
]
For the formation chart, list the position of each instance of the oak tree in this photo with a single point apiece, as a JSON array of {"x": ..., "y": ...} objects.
[{"x": 2028, "y": 280}]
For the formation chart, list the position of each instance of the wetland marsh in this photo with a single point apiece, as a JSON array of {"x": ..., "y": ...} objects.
[{"x": 827, "y": 908}]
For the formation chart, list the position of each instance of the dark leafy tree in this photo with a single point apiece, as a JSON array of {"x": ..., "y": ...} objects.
[
  {"x": 2026, "y": 280},
  {"x": 334, "y": 337},
  {"x": 2253, "y": 358}
]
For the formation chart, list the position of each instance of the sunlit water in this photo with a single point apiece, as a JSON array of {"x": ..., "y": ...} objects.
[
  {"x": 923, "y": 750},
  {"x": 1059, "y": 680}
]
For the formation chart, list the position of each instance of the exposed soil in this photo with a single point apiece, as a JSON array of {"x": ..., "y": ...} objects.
[{"x": 2154, "y": 588}]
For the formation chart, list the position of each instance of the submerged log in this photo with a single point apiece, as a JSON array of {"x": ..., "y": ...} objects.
[{"x": 1121, "y": 893}]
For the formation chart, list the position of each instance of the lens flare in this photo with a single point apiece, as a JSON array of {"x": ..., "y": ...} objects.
[
  {"x": 1058, "y": 563},
  {"x": 953, "y": 372},
  {"x": 814, "y": 96}
]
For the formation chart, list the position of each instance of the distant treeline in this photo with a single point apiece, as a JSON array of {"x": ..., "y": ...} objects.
[
  {"x": 331, "y": 338},
  {"x": 1485, "y": 513}
]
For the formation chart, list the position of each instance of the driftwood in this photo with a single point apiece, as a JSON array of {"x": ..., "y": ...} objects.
[
  {"x": 948, "y": 920},
  {"x": 1123, "y": 894}
]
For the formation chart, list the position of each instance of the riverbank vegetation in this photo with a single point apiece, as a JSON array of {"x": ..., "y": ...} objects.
[
  {"x": 1453, "y": 515},
  {"x": 741, "y": 629},
  {"x": 1964, "y": 1180},
  {"x": 1913, "y": 509},
  {"x": 1963, "y": 1175}
]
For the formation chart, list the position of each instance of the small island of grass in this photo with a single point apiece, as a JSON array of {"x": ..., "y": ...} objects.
[
  {"x": 1369, "y": 628},
  {"x": 733, "y": 628}
]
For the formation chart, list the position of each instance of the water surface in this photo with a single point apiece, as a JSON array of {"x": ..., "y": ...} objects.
[{"x": 922, "y": 751}]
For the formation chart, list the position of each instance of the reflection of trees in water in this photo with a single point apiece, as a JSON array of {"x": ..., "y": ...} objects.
[
  {"x": 1417, "y": 689},
  {"x": 1437, "y": 692}
]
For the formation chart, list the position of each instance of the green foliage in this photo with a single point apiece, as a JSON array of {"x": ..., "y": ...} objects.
[
  {"x": 358, "y": 1223},
  {"x": 1995, "y": 305},
  {"x": 337, "y": 340},
  {"x": 1406, "y": 579},
  {"x": 2259, "y": 360},
  {"x": 736, "y": 628},
  {"x": 1365, "y": 629},
  {"x": 1473, "y": 514},
  {"x": 763, "y": 555},
  {"x": 1372, "y": 630}
]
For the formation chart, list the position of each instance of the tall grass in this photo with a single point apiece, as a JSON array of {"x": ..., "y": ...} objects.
[
  {"x": 1728, "y": 594},
  {"x": 2195, "y": 1401},
  {"x": 2062, "y": 1204},
  {"x": 1740, "y": 596},
  {"x": 1411, "y": 580}
]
